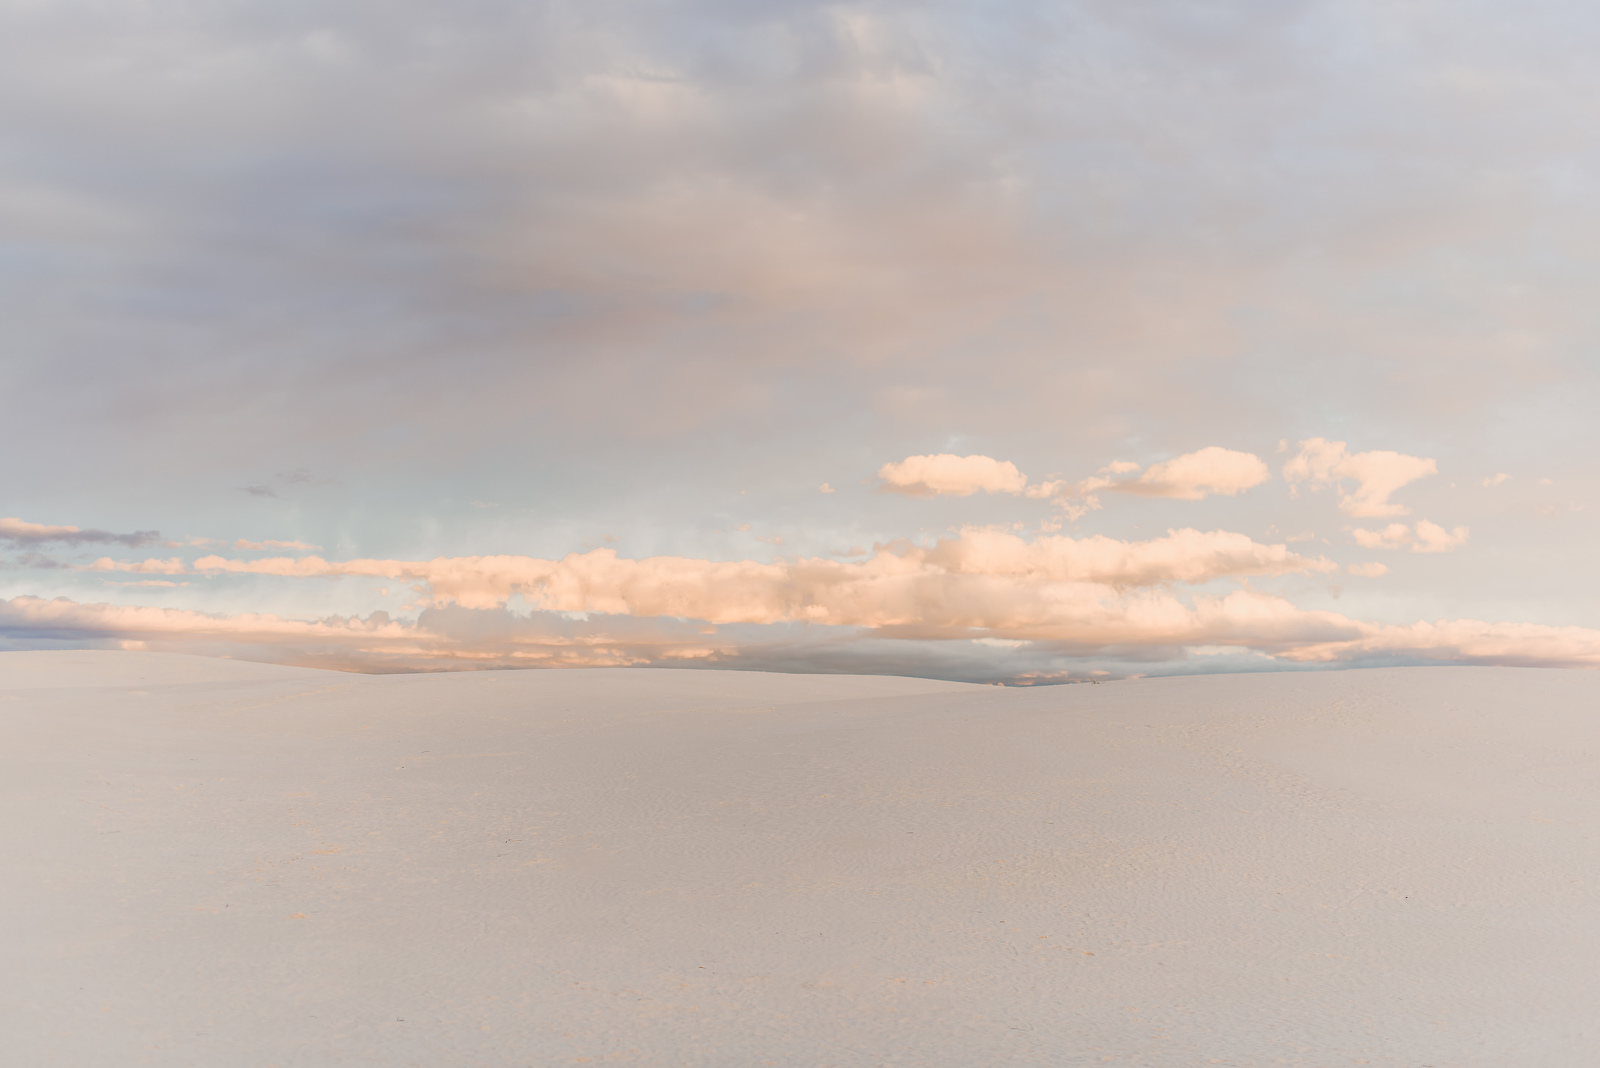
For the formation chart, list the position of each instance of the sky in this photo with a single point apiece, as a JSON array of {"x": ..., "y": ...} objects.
[{"x": 1029, "y": 343}]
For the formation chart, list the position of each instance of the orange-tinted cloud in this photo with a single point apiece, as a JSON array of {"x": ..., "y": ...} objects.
[
  {"x": 978, "y": 578},
  {"x": 1464, "y": 641},
  {"x": 1197, "y": 475},
  {"x": 1193, "y": 476},
  {"x": 457, "y": 637},
  {"x": 946, "y": 475},
  {"x": 1425, "y": 538},
  {"x": 153, "y": 566},
  {"x": 64, "y": 614},
  {"x": 440, "y": 639},
  {"x": 1376, "y": 475}
]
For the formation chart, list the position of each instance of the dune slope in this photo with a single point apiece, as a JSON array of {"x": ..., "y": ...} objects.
[{"x": 211, "y": 863}]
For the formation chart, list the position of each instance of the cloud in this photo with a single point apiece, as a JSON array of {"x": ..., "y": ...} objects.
[
  {"x": 39, "y": 562},
  {"x": 35, "y": 615},
  {"x": 914, "y": 186},
  {"x": 19, "y": 533},
  {"x": 1197, "y": 475},
  {"x": 152, "y": 566},
  {"x": 283, "y": 478},
  {"x": 1495, "y": 480},
  {"x": 1465, "y": 641},
  {"x": 1074, "y": 597},
  {"x": 1077, "y": 499},
  {"x": 269, "y": 543},
  {"x": 945, "y": 475},
  {"x": 1376, "y": 474},
  {"x": 448, "y": 638},
  {"x": 1394, "y": 536},
  {"x": 978, "y": 579},
  {"x": 623, "y": 237},
  {"x": 1372, "y": 569},
  {"x": 1426, "y": 538},
  {"x": 1142, "y": 626},
  {"x": 1193, "y": 476}
]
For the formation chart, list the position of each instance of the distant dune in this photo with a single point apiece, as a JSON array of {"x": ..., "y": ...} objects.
[{"x": 232, "y": 865}]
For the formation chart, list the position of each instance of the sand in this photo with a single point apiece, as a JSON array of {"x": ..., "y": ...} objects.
[{"x": 223, "y": 864}]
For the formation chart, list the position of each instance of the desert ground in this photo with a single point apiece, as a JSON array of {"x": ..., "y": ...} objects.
[{"x": 230, "y": 865}]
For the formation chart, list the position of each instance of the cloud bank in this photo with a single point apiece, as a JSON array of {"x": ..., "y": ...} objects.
[
  {"x": 978, "y": 579},
  {"x": 982, "y": 603},
  {"x": 1138, "y": 627}
]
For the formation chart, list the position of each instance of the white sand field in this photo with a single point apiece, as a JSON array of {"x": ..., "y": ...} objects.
[{"x": 233, "y": 865}]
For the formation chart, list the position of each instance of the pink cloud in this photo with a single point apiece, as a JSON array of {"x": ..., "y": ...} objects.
[
  {"x": 1071, "y": 596},
  {"x": 171, "y": 566},
  {"x": 19, "y": 530},
  {"x": 975, "y": 574},
  {"x": 1376, "y": 474},
  {"x": 146, "y": 621},
  {"x": 1147, "y": 618},
  {"x": 1193, "y": 476},
  {"x": 376, "y": 643},
  {"x": 1197, "y": 475},
  {"x": 259, "y": 546},
  {"x": 1425, "y": 538},
  {"x": 1465, "y": 641},
  {"x": 946, "y": 475}
]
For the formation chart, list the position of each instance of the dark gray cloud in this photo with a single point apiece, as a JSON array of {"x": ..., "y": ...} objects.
[{"x": 31, "y": 561}]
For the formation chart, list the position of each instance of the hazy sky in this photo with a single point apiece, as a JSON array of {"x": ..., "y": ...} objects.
[{"x": 995, "y": 342}]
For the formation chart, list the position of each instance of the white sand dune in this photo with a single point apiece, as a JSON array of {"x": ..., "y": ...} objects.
[{"x": 222, "y": 864}]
